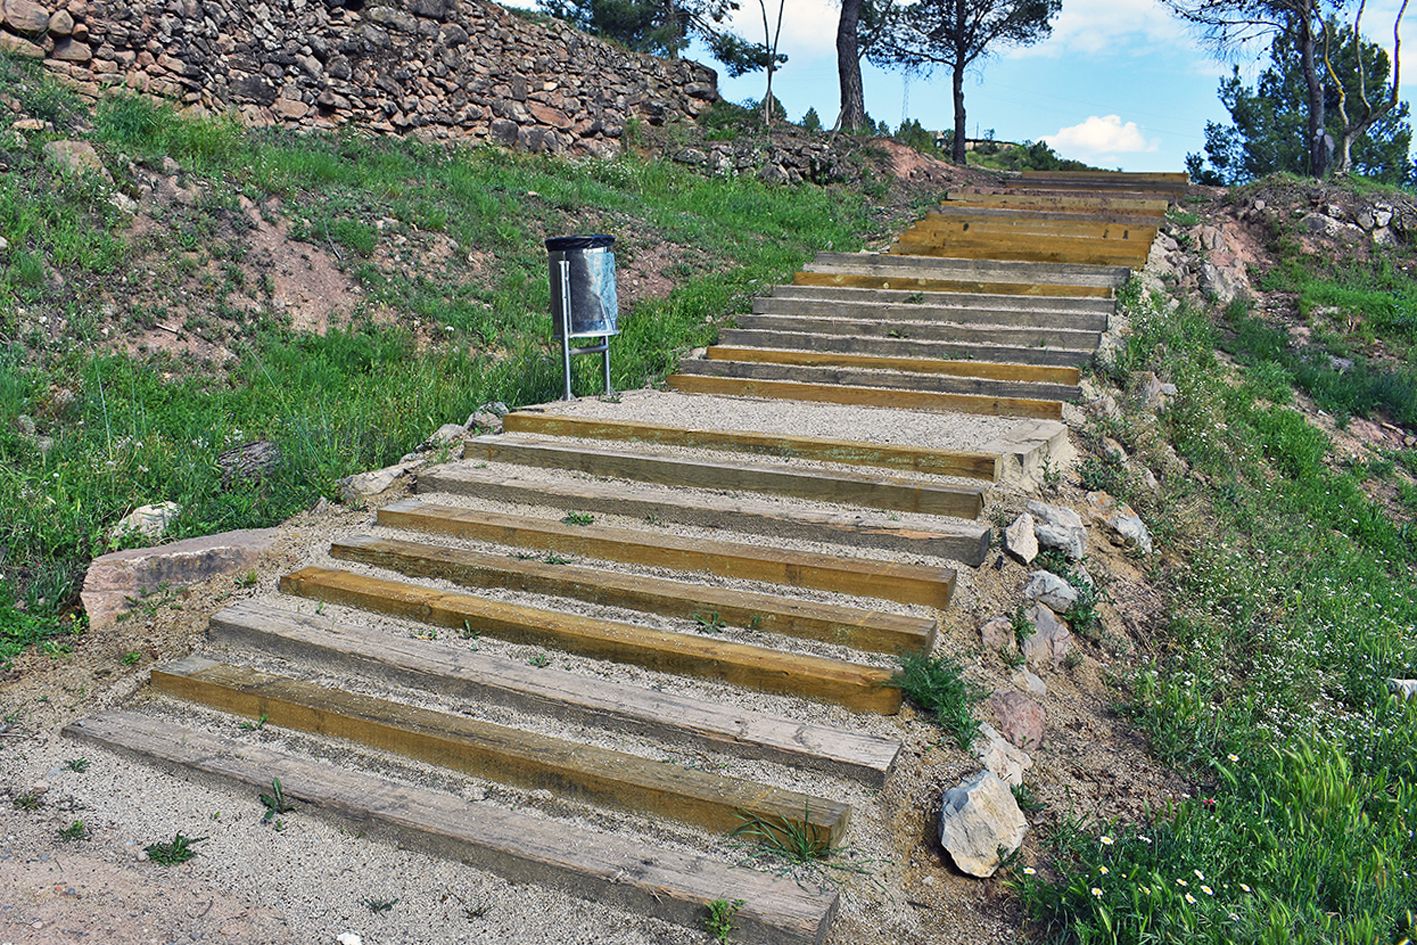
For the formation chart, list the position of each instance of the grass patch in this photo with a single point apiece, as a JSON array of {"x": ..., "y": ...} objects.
[
  {"x": 1290, "y": 607},
  {"x": 115, "y": 432},
  {"x": 937, "y": 685},
  {"x": 179, "y": 849}
]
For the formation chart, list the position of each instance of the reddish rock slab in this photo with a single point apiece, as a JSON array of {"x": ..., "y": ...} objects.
[
  {"x": 115, "y": 580},
  {"x": 1019, "y": 718}
]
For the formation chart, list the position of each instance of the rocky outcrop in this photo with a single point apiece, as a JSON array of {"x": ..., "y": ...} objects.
[{"x": 447, "y": 69}]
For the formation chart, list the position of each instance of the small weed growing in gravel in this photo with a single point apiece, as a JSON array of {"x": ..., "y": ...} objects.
[
  {"x": 540, "y": 661},
  {"x": 755, "y": 622},
  {"x": 77, "y": 765},
  {"x": 790, "y": 840},
  {"x": 709, "y": 622},
  {"x": 29, "y": 801},
  {"x": 937, "y": 685},
  {"x": 1028, "y": 802},
  {"x": 248, "y": 580},
  {"x": 473, "y": 913},
  {"x": 75, "y": 831},
  {"x": 1052, "y": 477},
  {"x": 1023, "y": 627},
  {"x": 467, "y": 633},
  {"x": 378, "y": 906},
  {"x": 578, "y": 518},
  {"x": 652, "y": 519},
  {"x": 179, "y": 849},
  {"x": 275, "y": 802},
  {"x": 553, "y": 558},
  {"x": 719, "y": 922},
  {"x": 255, "y": 726},
  {"x": 132, "y": 659}
]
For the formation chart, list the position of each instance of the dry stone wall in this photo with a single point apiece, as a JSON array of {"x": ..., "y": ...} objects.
[{"x": 455, "y": 69}]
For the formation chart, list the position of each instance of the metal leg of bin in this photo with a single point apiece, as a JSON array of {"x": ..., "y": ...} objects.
[
  {"x": 605, "y": 363},
  {"x": 566, "y": 327}
]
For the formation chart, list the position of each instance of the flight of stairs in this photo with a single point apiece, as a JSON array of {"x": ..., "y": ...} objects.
[{"x": 651, "y": 622}]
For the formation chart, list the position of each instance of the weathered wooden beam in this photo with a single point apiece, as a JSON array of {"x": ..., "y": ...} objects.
[
  {"x": 970, "y": 465},
  {"x": 857, "y": 627},
  {"x": 864, "y": 688},
  {"x": 576, "y": 770},
  {"x": 992, "y": 370},
  {"x": 605, "y": 868},
  {"x": 867, "y": 577}
]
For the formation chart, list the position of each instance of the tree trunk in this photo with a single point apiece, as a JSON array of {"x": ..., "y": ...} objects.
[
  {"x": 1314, "y": 84},
  {"x": 852, "y": 117},
  {"x": 957, "y": 150}
]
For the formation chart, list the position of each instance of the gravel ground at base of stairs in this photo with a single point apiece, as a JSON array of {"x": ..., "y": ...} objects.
[{"x": 943, "y": 431}]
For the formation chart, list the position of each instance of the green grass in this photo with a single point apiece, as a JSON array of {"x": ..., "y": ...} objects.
[
  {"x": 179, "y": 849},
  {"x": 141, "y": 430},
  {"x": 937, "y": 685},
  {"x": 1291, "y": 605}
]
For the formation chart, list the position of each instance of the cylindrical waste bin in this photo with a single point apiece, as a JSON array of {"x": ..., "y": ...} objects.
[
  {"x": 583, "y": 299},
  {"x": 582, "y": 270}
]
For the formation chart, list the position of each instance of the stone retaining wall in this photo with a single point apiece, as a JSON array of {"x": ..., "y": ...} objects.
[{"x": 456, "y": 69}]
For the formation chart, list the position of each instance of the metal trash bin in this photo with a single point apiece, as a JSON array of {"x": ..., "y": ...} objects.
[{"x": 583, "y": 298}]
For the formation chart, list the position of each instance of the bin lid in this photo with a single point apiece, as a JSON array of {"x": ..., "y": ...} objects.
[{"x": 558, "y": 244}]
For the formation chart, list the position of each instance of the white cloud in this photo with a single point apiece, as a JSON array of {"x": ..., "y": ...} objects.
[
  {"x": 1091, "y": 27},
  {"x": 808, "y": 26},
  {"x": 1101, "y": 138}
]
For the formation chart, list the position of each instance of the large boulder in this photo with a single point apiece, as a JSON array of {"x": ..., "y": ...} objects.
[
  {"x": 979, "y": 821},
  {"x": 1058, "y": 529},
  {"x": 26, "y": 16},
  {"x": 115, "y": 581}
]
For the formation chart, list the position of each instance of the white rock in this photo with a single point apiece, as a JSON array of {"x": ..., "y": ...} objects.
[
  {"x": 122, "y": 202},
  {"x": 4, "y": 244},
  {"x": 150, "y": 521},
  {"x": 349, "y": 938},
  {"x": 1020, "y": 540},
  {"x": 979, "y": 820},
  {"x": 1045, "y": 587},
  {"x": 446, "y": 434},
  {"x": 1025, "y": 681},
  {"x": 1405, "y": 688},
  {"x": 1050, "y": 642},
  {"x": 995, "y": 753},
  {"x": 366, "y": 485},
  {"x": 1058, "y": 528}
]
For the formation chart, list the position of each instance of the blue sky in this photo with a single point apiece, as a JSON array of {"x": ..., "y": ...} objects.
[{"x": 1120, "y": 83}]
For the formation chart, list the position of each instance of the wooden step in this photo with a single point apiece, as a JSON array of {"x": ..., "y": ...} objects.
[
  {"x": 863, "y": 629},
  {"x": 1026, "y": 215},
  {"x": 1145, "y": 206},
  {"x": 893, "y": 315},
  {"x": 863, "y": 688},
  {"x": 893, "y": 397},
  {"x": 905, "y": 347},
  {"x": 352, "y": 647},
  {"x": 604, "y": 868},
  {"x": 1174, "y": 178},
  {"x": 581, "y": 772},
  {"x": 985, "y": 300},
  {"x": 845, "y": 487},
  {"x": 966, "y": 543},
  {"x": 1001, "y": 270},
  {"x": 967, "y": 464},
  {"x": 1000, "y": 335},
  {"x": 1050, "y": 249},
  {"x": 954, "y": 225},
  {"x": 865, "y": 577},
  {"x": 912, "y": 283},
  {"x": 1033, "y": 373},
  {"x": 902, "y": 377}
]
